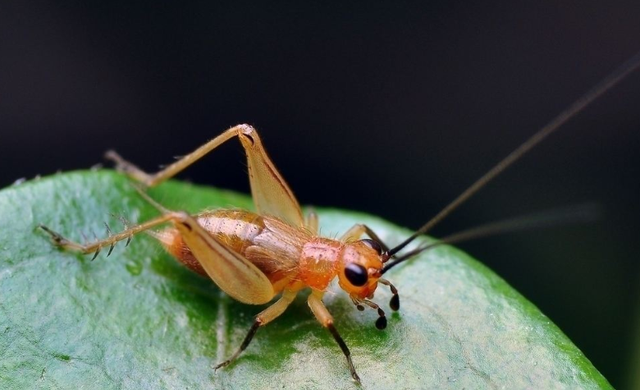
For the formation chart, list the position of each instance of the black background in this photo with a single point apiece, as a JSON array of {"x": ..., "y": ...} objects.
[{"x": 388, "y": 109}]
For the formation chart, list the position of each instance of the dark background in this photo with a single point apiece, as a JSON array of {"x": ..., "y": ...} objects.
[{"x": 388, "y": 109}]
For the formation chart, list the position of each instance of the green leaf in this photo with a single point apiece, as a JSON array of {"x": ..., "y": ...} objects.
[{"x": 140, "y": 320}]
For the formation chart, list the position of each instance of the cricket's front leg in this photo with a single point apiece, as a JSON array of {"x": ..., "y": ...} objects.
[
  {"x": 324, "y": 317},
  {"x": 357, "y": 230}
]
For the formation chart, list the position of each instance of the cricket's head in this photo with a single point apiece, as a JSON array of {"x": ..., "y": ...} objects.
[
  {"x": 362, "y": 268},
  {"x": 363, "y": 264}
]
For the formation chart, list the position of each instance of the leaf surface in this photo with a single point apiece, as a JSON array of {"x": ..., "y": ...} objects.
[{"x": 140, "y": 320}]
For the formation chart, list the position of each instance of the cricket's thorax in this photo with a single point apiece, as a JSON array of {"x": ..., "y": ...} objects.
[
  {"x": 285, "y": 254},
  {"x": 319, "y": 262}
]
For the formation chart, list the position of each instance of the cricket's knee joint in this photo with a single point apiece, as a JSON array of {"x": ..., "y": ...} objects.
[
  {"x": 246, "y": 129},
  {"x": 247, "y": 132},
  {"x": 180, "y": 216}
]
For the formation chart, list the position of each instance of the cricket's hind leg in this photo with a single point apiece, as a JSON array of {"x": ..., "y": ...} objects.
[
  {"x": 270, "y": 192},
  {"x": 96, "y": 246},
  {"x": 263, "y": 318}
]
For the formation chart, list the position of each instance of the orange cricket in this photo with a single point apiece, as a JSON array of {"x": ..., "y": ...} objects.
[{"x": 256, "y": 256}]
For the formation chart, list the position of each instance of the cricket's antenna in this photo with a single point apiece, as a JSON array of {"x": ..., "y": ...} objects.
[
  {"x": 587, "y": 212},
  {"x": 603, "y": 86}
]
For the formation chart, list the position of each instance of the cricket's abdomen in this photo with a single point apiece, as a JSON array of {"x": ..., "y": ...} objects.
[{"x": 236, "y": 229}]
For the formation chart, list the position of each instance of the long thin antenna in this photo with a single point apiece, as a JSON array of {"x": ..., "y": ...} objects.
[
  {"x": 603, "y": 86},
  {"x": 581, "y": 213}
]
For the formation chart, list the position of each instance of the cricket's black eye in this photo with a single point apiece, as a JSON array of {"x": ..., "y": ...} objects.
[
  {"x": 373, "y": 244},
  {"x": 356, "y": 274}
]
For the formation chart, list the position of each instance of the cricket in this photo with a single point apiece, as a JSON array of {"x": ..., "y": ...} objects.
[{"x": 277, "y": 251}]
